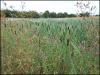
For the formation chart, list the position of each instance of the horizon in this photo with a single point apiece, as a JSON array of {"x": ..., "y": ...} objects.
[{"x": 51, "y": 6}]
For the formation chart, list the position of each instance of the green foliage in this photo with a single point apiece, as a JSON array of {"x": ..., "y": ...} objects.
[
  {"x": 19, "y": 14},
  {"x": 50, "y": 46},
  {"x": 46, "y": 14},
  {"x": 34, "y": 14},
  {"x": 52, "y": 15},
  {"x": 60, "y": 15},
  {"x": 84, "y": 14},
  {"x": 71, "y": 15}
]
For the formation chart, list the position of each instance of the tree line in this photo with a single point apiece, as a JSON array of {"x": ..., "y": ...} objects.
[{"x": 34, "y": 14}]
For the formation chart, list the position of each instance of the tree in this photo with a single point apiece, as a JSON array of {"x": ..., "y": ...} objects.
[
  {"x": 71, "y": 15},
  {"x": 7, "y": 13},
  {"x": 65, "y": 14},
  {"x": 84, "y": 14},
  {"x": 52, "y": 15},
  {"x": 34, "y": 14},
  {"x": 60, "y": 15},
  {"x": 46, "y": 14}
]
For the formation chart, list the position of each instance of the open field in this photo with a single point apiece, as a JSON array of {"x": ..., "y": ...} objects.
[{"x": 50, "y": 46}]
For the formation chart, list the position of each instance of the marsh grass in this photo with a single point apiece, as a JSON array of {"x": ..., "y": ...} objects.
[{"x": 50, "y": 46}]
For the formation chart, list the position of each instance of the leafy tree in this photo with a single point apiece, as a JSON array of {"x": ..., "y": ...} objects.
[
  {"x": 34, "y": 14},
  {"x": 7, "y": 13},
  {"x": 60, "y": 15},
  {"x": 46, "y": 14},
  {"x": 65, "y": 14},
  {"x": 84, "y": 14},
  {"x": 71, "y": 15},
  {"x": 52, "y": 15}
]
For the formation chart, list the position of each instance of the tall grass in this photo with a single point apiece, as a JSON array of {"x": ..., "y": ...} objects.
[{"x": 50, "y": 46}]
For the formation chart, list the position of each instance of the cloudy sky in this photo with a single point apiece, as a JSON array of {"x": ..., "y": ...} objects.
[{"x": 41, "y": 6}]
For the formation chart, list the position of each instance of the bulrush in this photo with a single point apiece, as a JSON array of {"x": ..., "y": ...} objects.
[
  {"x": 17, "y": 41},
  {"x": 30, "y": 40}
]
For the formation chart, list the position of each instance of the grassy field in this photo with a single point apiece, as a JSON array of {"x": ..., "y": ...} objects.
[{"x": 50, "y": 46}]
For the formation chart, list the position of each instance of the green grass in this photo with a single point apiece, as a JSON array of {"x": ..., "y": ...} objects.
[{"x": 50, "y": 46}]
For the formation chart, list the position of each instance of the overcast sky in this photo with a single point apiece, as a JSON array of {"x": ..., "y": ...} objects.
[{"x": 52, "y": 6}]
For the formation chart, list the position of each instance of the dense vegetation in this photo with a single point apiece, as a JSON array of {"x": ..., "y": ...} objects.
[
  {"x": 50, "y": 46},
  {"x": 34, "y": 14},
  {"x": 60, "y": 44}
]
